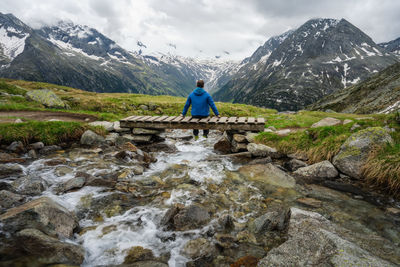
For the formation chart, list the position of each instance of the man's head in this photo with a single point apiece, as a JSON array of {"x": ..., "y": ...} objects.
[{"x": 200, "y": 83}]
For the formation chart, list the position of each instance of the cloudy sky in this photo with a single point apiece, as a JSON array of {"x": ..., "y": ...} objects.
[{"x": 206, "y": 28}]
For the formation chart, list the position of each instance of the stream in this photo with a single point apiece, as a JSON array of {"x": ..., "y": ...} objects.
[{"x": 113, "y": 220}]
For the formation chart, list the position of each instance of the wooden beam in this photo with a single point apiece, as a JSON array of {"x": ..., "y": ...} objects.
[
  {"x": 232, "y": 120},
  {"x": 251, "y": 120},
  {"x": 261, "y": 121},
  {"x": 222, "y": 120},
  {"x": 242, "y": 120}
]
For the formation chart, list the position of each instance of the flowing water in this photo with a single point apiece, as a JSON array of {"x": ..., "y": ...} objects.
[{"x": 192, "y": 174}]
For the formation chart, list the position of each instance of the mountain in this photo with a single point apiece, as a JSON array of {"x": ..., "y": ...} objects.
[
  {"x": 377, "y": 94},
  {"x": 79, "y": 56},
  {"x": 296, "y": 69},
  {"x": 215, "y": 72},
  {"x": 392, "y": 46}
]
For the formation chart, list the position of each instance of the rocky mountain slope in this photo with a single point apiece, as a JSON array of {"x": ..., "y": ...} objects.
[
  {"x": 392, "y": 46},
  {"x": 79, "y": 56},
  {"x": 318, "y": 58},
  {"x": 379, "y": 93}
]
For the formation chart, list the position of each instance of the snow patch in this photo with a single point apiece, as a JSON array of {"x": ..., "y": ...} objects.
[
  {"x": 391, "y": 108},
  {"x": 11, "y": 44},
  {"x": 72, "y": 50}
]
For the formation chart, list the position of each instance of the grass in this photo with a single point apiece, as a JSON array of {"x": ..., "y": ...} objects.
[
  {"x": 50, "y": 133},
  {"x": 11, "y": 89}
]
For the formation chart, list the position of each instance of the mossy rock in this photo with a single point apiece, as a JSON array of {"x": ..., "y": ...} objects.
[
  {"x": 354, "y": 152},
  {"x": 47, "y": 98}
]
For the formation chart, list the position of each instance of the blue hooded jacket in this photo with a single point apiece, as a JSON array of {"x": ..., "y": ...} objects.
[{"x": 200, "y": 101}]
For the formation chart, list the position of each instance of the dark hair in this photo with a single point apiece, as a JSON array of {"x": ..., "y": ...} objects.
[{"x": 200, "y": 83}]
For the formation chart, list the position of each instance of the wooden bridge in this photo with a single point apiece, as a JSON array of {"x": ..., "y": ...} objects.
[{"x": 180, "y": 122}]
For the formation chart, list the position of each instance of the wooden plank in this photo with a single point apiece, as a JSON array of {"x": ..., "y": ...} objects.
[
  {"x": 150, "y": 119},
  {"x": 251, "y": 120},
  {"x": 204, "y": 120},
  {"x": 160, "y": 119},
  {"x": 222, "y": 120},
  {"x": 186, "y": 119},
  {"x": 213, "y": 120},
  {"x": 178, "y": 119},
  {"x": 260, "y": 121},
  {"x": 129, "y": 118},
  {"x": 144, "y": 118},
  {"x": 232, "y": 120},
  {"x": 169, "y": 119},
  {"x": 136, "y": 118},
  {"x": 194, "y": 120},
  {"x": 153, "y": 118},
  {"x": 242, "y": 120}
]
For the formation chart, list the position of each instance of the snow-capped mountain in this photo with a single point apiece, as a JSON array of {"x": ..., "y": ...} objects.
[
  {"x": 392, "y": 46},
  {"x": 80, "y": 56},
  {"x": 318, "y": 58},
  {"x": 215, "y": 72}
]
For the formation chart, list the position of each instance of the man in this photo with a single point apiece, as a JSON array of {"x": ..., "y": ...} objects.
[{"x": 200, "y": 101}]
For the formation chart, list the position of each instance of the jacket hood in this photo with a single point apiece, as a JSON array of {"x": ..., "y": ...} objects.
[{"x": 199, "y": 91}]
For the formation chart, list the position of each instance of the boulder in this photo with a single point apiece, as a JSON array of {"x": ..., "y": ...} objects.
[
  {"x": 111, "y": 138},
  {"x": 182, "y": 218},
  {"x": 49, "y": 149},
  {"x": 240, "y": 138},
  {"x": 260, "y": 161},
  {"x": 42, "y": 214},
  {"x": 320, "y": 170},
  {"x": 294, "y": 164},
  {"x": 91, "y": 138},
  {"x": 268, "y": 174},
  {"x": 138, "y": 253},
  {"x": 347, "y": 121},
  {"x": 49, "y": 250},
  {"x": 223, "y": 145},
  {"x": 283, "y": 132},
  {"x": 118, "y": 129},
  {"x": 354, "y": 152},
  {"x": 260, "y": 150},
  {"x": 9, "y": 199},
  {"x": 9, "y": 170},
  {"x": 314, "y": 241},
  {"x": 250, "y": 137},
  {"x": 16, "y": 147},
  {"x": 270, "y": 221},
  {"x": 327, "y": 122},
  {"x": 310, "y": 202},
  {"x": 32, "y": 154},
  {"x": 238, "y": 147},
  {"x": 73, "y": 183},
  {"x": 30, "y": 185},
  {"x": 47, "y": 98},
  {"x": 198, "y": 248},
  {"x": 141, "y": 138},
  {"x": 109, "y": 126}
]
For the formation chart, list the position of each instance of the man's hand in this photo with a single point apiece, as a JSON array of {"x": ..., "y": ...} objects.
[
  {"x": 182, "y": 115},
  {"x": 218, "y": 116}
]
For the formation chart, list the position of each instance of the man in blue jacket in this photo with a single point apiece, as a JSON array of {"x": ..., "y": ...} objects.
[{"x": 200, "y": 101}]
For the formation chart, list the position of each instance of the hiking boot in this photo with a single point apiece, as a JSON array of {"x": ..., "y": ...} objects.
[
  {"x": 205, "y": 136},
  {"x": 196, "y": 137}
]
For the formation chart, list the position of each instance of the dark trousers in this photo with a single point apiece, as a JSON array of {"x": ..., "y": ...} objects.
[{"x": 196, "y": 131}]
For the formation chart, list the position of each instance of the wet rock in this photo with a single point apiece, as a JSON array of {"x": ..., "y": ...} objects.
[
  {"x": 393, "y": 211},
  {"x": 36, "y": 146},
  {"x": 145, "y": 131},
  {"x": 138, "y": 254},
  {"x": 49, "y": 149},
  {"x": 354, "y": 152},
  {"x": 294, "y": 164},
  {"x": 55, "y": 162},
  {"x": 49, "y": 250},
  {"x": 108, "y": 180},
  {"x": 47, "y": 98},
  {"x": 73, "y": 183},
  {"x": 245, "y": 261},
  {"x": 158, "y": 147},
  {"x": 223, "y": 145},
  {"x": 30, "y": 185},
  {"x": 260, "y": 161},
  {"x": 268, "y": 174},
  {"x": 344, "y": 187},
  {"x": 313, "y": 241},
  {"x": 225, "y": 240},
  {"x": 128, "y": 146},
  {"x": 227, "y": 223},
  {"x": 32, "y": 154},
  {"x": 260, "y": 150},
  {"x": 273, "y": 220},
  {"x": 310, "y": 202},
  {"x": 42, "y": 214},
  {"x": 240, "y": 138},
  {"x": 111, "y": 138},
  {"x": 63, "y": 170},
  {"x": 91, "y": 138},
  {"x": 16, "y": 147},
  {"x": 109, "y": 126},
  {"x": 320, "y": 170},
  {"x": 185, "y": 218},
  {"x": 238, "y": 147},
  {"x": 9, "y": 199},
  {"x": 199, "y": 248},
  {"x": 327, "y": 122},
  {"x": 9, "y": 169},
  {"x": 246, "y": 237},
  {"x": 120, "y": 140}
]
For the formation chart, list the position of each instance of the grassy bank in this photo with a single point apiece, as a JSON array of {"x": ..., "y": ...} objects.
[
  {"x": 50, "y": 133},
  {"x": 323, "y": 143}
]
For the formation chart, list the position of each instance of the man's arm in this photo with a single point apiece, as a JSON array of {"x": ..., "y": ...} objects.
[
  {"x": 187, "y": 105},
  {"x": 212, "y": 105}
]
